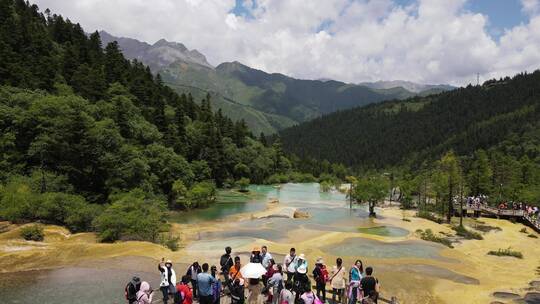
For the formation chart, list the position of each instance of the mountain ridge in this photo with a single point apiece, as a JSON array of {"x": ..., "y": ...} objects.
[{"x": 268, "y": 102}]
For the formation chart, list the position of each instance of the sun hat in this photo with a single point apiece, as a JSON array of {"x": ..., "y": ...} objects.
[
  {"x": 302, "y": 257},
  {"x": 319, "y": 261},
  {"x": 168, "y": 262},
  {"x": 256, "y": 248}
]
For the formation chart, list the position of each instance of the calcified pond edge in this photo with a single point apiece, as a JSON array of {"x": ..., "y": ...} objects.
[{"x": 412, "y": 278}]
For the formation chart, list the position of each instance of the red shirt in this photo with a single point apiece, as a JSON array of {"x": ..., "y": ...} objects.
[{"x": 186, "y": 293}]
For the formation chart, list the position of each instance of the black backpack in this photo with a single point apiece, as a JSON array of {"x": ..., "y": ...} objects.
[
  {"x": 132, "y": 288},
  {"x": 178, "y": 299}
]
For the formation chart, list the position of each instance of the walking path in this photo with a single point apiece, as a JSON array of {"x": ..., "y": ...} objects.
[{"x": 520, "y": 214}]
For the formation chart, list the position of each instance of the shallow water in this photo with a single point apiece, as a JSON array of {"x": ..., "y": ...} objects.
[
  {"x": 384, "y": 231},
  {"x": 377, "y": 249},
  {"x": 228, "y": 203},
  {"x": 76, "y": 285}
]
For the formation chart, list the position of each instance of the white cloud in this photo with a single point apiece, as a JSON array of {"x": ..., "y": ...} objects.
[
  {"x": 530, "y": 6},
  {"x": 431, "y": 41}
]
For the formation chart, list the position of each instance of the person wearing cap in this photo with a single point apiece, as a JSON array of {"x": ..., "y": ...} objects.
[
  {"x": 300, "y": 281},
  {"x": 301, "y": 262},
  {"x": 145, "y": 294},
  {"x": 168, "y": 279},
  {"x": 290, "y": 264},
  {"x": 256, "y": 255},
  {"x": 320, "y": 274}
]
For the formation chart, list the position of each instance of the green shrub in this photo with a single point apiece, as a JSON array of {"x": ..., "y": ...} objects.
[
  {"x": 202, "y": 194},
  {"x": 131, "y": 216},
  {"x": 33, "y": 233},
  {"x": 325, "y": 186},
  {"x": 523, "y": 230},
  {"x": 170, "y": 242},
  {"x": 243, "y": 184},
  {"x": 533, "y": 236},
  {"x": 429, "y": 236},
  {"x": 506, "y": 252},
  {"x": 468, "y": 234},
  {"x": 405, "y": 219},
  {"x": 429, "y": 216}
]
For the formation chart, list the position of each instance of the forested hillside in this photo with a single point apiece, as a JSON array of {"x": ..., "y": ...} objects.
[
  {"x": 82, "y": 126},
  {"x": 493, "y": 128},
  {"x": 267, "y": 102}
]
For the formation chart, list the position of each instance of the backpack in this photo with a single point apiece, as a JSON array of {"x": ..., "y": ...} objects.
[
  {"x": 178, "y": 298},
  {"x": 324, "y": 274},
  {"x": 131, "y": 289}
]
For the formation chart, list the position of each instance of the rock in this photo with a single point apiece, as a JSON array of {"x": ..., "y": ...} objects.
[
  {"x": 506, "y": 295},
  {"x": 301, "y": 214},
  {"x": 532, "y": 298},
  {"x": 274, "y": 201},
  {"x": 287, "y": 212},
  {"x": 535, "y": 284}
]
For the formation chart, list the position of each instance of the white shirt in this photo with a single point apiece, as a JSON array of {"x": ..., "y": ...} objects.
[
  {"x": 266, "y": 260},
  {"x": 291, "y": 262}
]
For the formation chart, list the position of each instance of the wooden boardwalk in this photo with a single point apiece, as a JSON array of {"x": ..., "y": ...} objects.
[{"x": 510, "y": 213}]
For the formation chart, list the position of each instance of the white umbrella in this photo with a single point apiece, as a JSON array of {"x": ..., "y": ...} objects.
[{"x": 252, "y": 271}]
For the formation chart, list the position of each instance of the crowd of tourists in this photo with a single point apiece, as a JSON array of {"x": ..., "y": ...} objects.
[
  {"x": 277, "y": 283},
  {"x": 475, "y": 202}
]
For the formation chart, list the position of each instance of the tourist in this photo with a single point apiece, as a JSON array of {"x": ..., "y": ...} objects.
[
  {"x": 192, "y": 272},
  {"x": 237, "y": 291},
  {"x": 204, "y": 284},
  {"x": 320, "y": 274},
  {"x": 255, "y": 289},
  {"x": 371, "y": 298},
  {"x": 286, "y": 296},
  {"x": 369, "y": 283},
  {"x": 337, "y": 281},
  {"x": 266, "y": 257},
  {"x": 183, "y": 289},
  {"x": 234, "y": 271},
  {"x": 269, "y": 271},
  {"x": 355, "y": 275},
  {"x": 308, "y": 297},
  {"x": 216, "y": 287},
  {"x": 144, "y": 295},
  {"x": 301, "y": 261},
  {"x": 226, "y": 262},
  {"x": 290, "y": 264},
  {"x": 275, "y": 284},
  {"x": 168, "y": 279},
  {"x": 300, "y": 282},
  {"x": 256, "y": 255}
]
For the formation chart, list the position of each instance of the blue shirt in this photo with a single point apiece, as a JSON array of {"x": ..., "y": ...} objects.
[{"x": 204, "y": 283}]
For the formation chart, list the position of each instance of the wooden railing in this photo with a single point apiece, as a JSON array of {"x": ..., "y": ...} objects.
[{"x": 502, "y": 212}]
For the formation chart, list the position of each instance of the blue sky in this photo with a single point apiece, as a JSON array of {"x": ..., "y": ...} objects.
[{"x": 502, "y": 14}]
